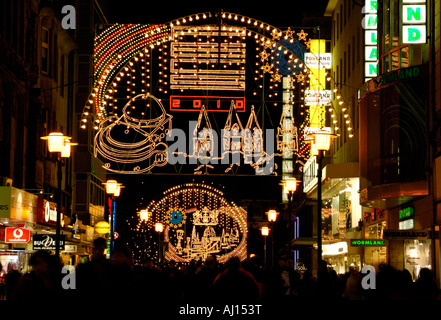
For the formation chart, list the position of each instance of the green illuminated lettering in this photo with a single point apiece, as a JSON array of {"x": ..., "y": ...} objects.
[
  {"x": 373, "y": 54},
  {"x": 413, "y": 34},
  {"x": 373, "y": 69},
  {"x": 413, "y": 13},
  {"x": 372, "y": 22}
]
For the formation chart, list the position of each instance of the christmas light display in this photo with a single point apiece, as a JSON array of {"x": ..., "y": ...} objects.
[
  {"x": 127, "y": 142},
  {"x": 204, "y": 52},
  {"x": 199, "y": 221}
]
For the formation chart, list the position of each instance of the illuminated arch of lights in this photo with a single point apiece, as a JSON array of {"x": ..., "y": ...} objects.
[
  {"x": 124, "y": 50},
  {"x": 199, "y": 221}
]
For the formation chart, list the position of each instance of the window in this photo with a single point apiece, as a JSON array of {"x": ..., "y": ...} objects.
[
  {"x": 45, "y": 50},
  {"x": 61, "y": 83}
]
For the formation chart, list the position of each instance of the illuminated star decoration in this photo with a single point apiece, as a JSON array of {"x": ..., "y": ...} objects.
[
  {"x": 289, "y": 34},
  {"x": 302, "y": 35}
]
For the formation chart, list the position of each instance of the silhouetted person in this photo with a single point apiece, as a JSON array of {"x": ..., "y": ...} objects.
[
  {"x": 43, "y": 282},
  {"x": 202, "y": 287},
  {"x": 425, "y": 286},
  {"x": 235, "y": 284},
  {"x": 93, "y": 277},
  {"x": 307, "y": 286},
  {"x": 353, "y": 289},
  {"x": 324, "y": 283}
]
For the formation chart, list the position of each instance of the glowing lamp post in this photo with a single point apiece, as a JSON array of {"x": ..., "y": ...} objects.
[
  {"x": 58, "y": 142},
  {"x": 144, "y": 215},
  {"x": 322, "y": 143},
  {"x": 272, "y": 215},
  {"x": 114, "y": 189},
  {"x": 289, "y": 187},
  {"x": 265, "y": 233},
  {"x": 159, "y": 228}
]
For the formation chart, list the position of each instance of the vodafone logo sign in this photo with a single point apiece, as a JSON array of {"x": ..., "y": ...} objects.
[{"x": 17, "y": 235}]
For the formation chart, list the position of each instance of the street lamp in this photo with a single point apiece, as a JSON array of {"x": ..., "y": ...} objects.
[
  {"x": 113, "y": 188},
  {"x": 159, "y": 228},
  {"x": 272, "y": 215},
  {"x": 322, "y": 142},
  {"x": 58, "y": 142},
  {"x": 144, "y": 215},
  {"x": 289, "y": 187},
  {"x": 265, "y": 233}
]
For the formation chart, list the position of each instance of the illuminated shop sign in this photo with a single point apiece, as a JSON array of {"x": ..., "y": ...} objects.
[
  {"x": 17, "y": 235},
  {"x": 367, "y": 243},
  {"x": 370, "y": 39},
  {"x": 335, "y": 248},
  {"x": 414, "y": 28},
  {"x": 317, "y": 97},
  {"x": 211, "y": 103},
  {"x": 405, "y": 213},
  {"x": 47, "y": 242},
  {"x": 318, "y": 60},
  {"x": 47, "y": 212},
  {"x": 410, "y": 234}
]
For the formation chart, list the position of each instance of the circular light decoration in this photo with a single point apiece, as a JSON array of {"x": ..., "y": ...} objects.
[
  {"x": 176, "y": 217},
  {"x": 199, "y": 221},
  {"x": 282, "y": 63},
  {"x": 102, "y": 227}
]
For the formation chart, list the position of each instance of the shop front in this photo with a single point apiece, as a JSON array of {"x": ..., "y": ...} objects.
[
  {"x": 410, "y": 250},
  {"x": 27, "y": 222},
  {"x": 18, "y": 210},
  {"x": 341, "y": 214}
]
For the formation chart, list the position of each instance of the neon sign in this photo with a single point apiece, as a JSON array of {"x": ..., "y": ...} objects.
[
  {"x": 414, "y": 21},
  {"x": 370, "y": 39}
]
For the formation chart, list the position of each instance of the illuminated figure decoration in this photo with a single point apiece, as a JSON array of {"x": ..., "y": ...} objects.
[
  {"x": 287, "y": 135},
  {"x": 130, "y": 141},
  {"x": 213, "y": 224},
  {"x": 204, "y": 143}
]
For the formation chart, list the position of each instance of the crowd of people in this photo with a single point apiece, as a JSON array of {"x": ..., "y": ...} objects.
[{"x": 205, "y": 282}]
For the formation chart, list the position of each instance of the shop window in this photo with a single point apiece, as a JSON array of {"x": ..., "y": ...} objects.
[{"x": 417, "y": 256}]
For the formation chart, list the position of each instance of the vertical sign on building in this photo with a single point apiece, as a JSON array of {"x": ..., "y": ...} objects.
[
  {"x": 370, "y": 39},
  {"x": 414, "y": 28},
  {"x": 316, "y": 98},
  {"x": 288, "y": 132}
]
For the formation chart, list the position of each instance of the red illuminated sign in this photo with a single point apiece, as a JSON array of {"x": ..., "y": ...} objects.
[
  {"x": 17, "y": 235},
  {"x": 211, "y": 103}
]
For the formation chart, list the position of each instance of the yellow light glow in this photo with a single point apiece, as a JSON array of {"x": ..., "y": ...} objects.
[
  {"x": 265, "y": 231},
  {"x": 144, "y": 215},
  {"x": 159, "y": 227},
  {"x": 111, "y": 186},
  {"x": 55, "y": 141},
  {"x": 272, "y": 215},
  {"x": 289, "y": 185}
]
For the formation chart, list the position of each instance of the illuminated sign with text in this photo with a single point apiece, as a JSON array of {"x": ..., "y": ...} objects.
[
  {"x": 370, "y": 39},
  {"x": 414, "y": 27},
  {"x": 211, "y": 103}
]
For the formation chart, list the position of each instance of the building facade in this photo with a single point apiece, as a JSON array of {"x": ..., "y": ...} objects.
[
  {"x": 386, "y": 65},
  {"x": 40, "y": 85}
]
